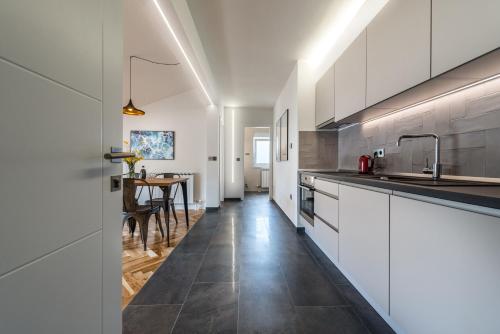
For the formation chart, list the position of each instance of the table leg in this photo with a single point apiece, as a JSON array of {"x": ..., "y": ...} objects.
[
  {"x": 166, "y": 210},
  {"x": 184, "y": 196}
]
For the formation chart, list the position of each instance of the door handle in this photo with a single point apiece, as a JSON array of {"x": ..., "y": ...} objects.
[{"x": 118, "y": 155}]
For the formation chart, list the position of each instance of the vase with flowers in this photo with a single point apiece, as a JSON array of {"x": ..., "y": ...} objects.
[
  {"x": 132, "y": 161},
  {"x": 131, "y": 164}
]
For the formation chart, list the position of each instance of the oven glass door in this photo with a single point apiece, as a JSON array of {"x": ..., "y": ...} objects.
[{"x": 307, "y": 203}]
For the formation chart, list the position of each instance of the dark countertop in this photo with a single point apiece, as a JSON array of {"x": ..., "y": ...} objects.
[{"x": 486, "y": 196}]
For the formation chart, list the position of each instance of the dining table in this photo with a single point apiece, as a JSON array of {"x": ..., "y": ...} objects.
[{"x": 165, "y": 184}]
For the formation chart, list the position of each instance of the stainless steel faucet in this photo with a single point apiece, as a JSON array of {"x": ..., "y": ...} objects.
[{"x": 436, "y": 167}]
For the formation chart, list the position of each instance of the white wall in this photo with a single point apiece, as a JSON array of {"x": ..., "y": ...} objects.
[
  {"x": 235, "y": 121},
  {"x": 252, "y": 174},
  {"x": 189, "y": 118},
  {"x": 213, "y": 167},
  {"x": 285, "y": 172}
]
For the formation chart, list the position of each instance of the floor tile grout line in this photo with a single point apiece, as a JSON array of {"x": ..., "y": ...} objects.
[
  {"x": 193, "y": 281},
  {"x": 288, "y": 289},
  {"x": 330, "y": 279},
  {"x": 320, "y": 265}
]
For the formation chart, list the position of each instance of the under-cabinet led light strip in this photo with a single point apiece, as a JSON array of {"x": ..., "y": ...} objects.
[
  {"x": 162, "y": 14},
  {"x": 456, "y": 90}
]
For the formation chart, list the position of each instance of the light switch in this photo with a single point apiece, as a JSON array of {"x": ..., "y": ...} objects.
[{"x": 116, "y": 183}]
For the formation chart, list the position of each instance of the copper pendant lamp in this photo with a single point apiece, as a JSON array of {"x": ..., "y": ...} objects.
[{"x": 130, "y": 109}]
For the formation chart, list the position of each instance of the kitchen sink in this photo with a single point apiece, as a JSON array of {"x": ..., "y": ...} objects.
[{"x": 427, "y": 182}]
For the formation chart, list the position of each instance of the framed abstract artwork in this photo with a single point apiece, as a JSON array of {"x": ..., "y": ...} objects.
[
  {"x": 277, "y": 139},
  {"x": 284, "y": 136},
  {"x": 153, "y": 145}
]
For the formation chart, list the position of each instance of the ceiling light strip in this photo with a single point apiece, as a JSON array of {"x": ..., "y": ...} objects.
[
  {"x": 183, "y": 51},
  {"x": 456, "y": 90}
]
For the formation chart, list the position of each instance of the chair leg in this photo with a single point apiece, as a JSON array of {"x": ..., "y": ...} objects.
[
  {"x": 144, "y": 229},
  {"x": 141, "y": 232},
  {"x": 132, "y": 223},
  {"x": 172, "y": 205},
  {"x": 158, "y": 222}
]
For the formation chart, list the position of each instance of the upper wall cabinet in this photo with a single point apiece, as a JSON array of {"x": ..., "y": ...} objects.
[
  {"x": 463, "y": 30},
  {"x": 398, "y": 48},
  {"x": 325, "y": 97},
  {"x": 350, "y": 79}
]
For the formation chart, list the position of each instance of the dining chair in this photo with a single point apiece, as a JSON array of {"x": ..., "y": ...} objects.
[
  {"x": 173, "y": 192},
  {"x": 132, "y": 210}
]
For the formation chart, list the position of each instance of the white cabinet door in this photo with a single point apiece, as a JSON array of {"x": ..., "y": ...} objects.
[
  {"x": 328, "y": 187},
  {"x": 324, "y": 97},
  {"x": 326, "y": 208},
  {"x": 463, "y": 30},
  {"x": 327, "y": 240},
  {"x": 364, "y": 241},
  {"x": 445, "y": 270},
  {"x": 350, "y": 79},
  {"x": 398, "y": 48}
]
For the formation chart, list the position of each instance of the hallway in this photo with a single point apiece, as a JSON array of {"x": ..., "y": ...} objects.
[{"x": 244, "y": 269}]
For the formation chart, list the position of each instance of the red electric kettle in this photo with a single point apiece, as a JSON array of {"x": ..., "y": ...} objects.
[{"x": 365, "y": 164}]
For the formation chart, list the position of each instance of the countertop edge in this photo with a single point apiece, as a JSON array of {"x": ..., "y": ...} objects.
[{"x": 432, "y": 192}]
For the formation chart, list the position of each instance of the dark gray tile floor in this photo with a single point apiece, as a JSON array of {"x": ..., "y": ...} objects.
[{"x": 244, "y": 269}]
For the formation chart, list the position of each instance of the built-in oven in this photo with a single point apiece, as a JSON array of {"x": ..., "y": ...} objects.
[{"x": 306, "y": 198}]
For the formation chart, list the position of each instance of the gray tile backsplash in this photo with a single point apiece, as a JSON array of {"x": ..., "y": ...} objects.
[
  {"x": 468, "y": 123},
  {"x": 318, "y": 149}
]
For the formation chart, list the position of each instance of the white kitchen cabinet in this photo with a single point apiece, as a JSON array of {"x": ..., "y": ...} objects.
[
  {"x": 350, "y": 79},
  {"x": 325, "y": 97},
  {"x": 398, "y": 48},
  {"x": 326, "y": 218},
  {"x": 364, "y": 241},
  {"x": 445, "y": 270},
  {"x": 326, "y": 208},
  {"x": 328, "y": 187},
  {"x": 327, "y": 239},
  {"x": 463, "y": 30}
]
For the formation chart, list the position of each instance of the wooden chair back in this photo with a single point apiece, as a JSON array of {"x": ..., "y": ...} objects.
[{"x": 131, "y": 196}]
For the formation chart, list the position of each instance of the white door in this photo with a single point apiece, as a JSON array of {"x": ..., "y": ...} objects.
[{"x": 60, "y": 93}]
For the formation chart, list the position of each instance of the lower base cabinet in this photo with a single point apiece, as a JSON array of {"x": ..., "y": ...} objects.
[
  {"x": 364, "y": 241},
  {"x": 445, "y": 269},
  {"x": 327, "y": 240}
]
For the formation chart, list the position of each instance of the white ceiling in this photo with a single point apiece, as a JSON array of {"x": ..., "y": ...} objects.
[
  {"x": 252, "y": 45},
  {"x": 145, "y": 35}
]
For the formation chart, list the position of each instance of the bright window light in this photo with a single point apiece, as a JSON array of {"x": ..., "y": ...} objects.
[
  {"x": 261, "y": 152},
  {"x": 162, "y": 14}
]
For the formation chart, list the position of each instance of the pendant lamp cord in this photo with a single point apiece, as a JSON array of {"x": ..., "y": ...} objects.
[{"x": 148, "y": 60}]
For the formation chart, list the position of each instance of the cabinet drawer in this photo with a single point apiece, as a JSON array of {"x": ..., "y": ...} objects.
[
  {"x": 327, "y": 187},
  {"x": 327, "y": 209},
  {"x": 327, "y": 240}
]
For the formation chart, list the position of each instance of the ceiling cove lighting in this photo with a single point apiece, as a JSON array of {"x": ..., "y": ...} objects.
[
  {"x": 232, "y": 145},
  {"x": 456, "y": 90},
  {"x": 162, "y": 14},
  {"x": 334, "y": 31}
]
